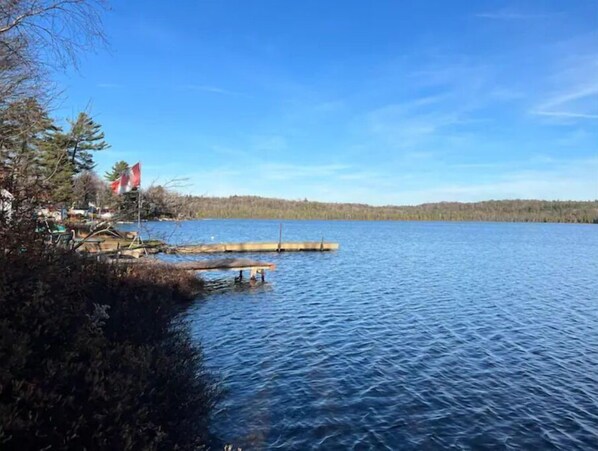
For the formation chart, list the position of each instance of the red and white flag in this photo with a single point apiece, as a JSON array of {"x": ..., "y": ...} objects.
[
  {"x": 135, "y": 176},
  {"x": 128, "y": 180}
]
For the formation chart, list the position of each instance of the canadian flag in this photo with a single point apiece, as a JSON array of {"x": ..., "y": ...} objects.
[{"x": 128, "y": 180}]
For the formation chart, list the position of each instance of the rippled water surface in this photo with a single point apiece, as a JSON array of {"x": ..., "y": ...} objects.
[{"x": 412, "y": 335}]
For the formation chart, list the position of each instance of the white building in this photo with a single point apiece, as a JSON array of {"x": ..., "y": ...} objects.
[{"x": 5, "y": 203}]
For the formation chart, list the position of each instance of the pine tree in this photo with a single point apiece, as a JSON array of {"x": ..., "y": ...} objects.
[
  {"x": 58, "y": 169},
  {"x": 116, "y": 171},
  {"x": 23, "y": 126},
  {"x": 84, "y": 138}
]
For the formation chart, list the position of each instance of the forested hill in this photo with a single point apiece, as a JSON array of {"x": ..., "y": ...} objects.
[{"x": 503, "y": 210}]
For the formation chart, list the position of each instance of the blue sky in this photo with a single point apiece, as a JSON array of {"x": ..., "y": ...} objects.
[{"x": 381, "y": 102}]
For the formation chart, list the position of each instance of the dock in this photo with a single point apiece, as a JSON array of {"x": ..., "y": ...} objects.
[
  {"x": 221, "y": 264},
  {"x": 297, "y": 246}
]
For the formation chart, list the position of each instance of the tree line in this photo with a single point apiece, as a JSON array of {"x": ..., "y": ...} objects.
[{"x": 165, "y": 203}]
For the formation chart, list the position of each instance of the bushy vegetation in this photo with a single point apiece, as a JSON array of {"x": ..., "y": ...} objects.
[
  {"x": 169, "y": 204},
  {"x": 89, "y": 355}
]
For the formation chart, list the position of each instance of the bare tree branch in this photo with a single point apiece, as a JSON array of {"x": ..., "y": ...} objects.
[{"x": 39, "y": 35}]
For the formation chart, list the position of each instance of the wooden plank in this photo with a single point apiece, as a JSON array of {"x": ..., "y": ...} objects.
[
  {"x": 224, "y": 264},
  {"x": 220, "y": 264},
  {"x": 319, "y": 246}
]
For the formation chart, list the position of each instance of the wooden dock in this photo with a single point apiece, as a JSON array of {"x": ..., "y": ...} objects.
[
  {"x": 221, "y": 264},
  {"x": 314, "y": 246}
]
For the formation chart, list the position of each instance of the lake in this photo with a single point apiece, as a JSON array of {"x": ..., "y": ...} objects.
[{"x": 413, "y": 335}]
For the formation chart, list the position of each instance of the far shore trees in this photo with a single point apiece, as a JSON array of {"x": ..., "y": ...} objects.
[{"x": 185, "y": 206}]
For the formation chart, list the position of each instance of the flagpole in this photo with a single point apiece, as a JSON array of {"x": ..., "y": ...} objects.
[
  {"x": 139, "y": 211},
  {"x": 127, "y": 182}
]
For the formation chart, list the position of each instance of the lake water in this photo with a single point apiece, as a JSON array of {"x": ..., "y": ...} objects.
[{"x": 414, "y": 335}]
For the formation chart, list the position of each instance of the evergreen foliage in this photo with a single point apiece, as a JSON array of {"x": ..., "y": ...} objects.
[
  {"x": 84, "y": 137},
  {"x": 116, "y": 171},
  {"x": 24, "y": 126},
  {"x": 57, "y": 169},
  {"x": 34, "y": 150}
]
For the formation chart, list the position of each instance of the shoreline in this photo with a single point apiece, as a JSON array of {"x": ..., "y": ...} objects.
[{"x": 464, "y": 221}]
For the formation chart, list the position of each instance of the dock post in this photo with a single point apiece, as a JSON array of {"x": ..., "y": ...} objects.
[{"x": 279, "y": 238}]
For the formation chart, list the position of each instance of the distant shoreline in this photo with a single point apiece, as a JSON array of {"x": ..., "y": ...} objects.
[
  {"x": 254, "y": 207},
  {"x": 464, "y": 221}
]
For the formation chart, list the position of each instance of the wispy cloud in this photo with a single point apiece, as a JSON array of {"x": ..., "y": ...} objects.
[
  {"x": 566, "y": 114},
  {"x": 417, "y": 124},
  {"x": 574, "y": 179},
  {"x": 577, "y": 96},
  {"x": 445, "y": 101},
  {"x": 509, "y": 14},
  {"x": 211, "y": 89},
  {"x": 429, "y": 120},
  {"x": 327, "y": 182},
  {"x": 558, "y": 179},
  {"x": 577, "y": 102}
]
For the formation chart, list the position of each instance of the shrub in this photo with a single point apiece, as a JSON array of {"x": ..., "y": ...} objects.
[{"x": 89, "y": 356}]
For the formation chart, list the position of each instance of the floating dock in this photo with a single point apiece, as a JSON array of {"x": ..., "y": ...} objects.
[
  {"x": 221, "y": 264},
  {"x": 315, "y": 246}
]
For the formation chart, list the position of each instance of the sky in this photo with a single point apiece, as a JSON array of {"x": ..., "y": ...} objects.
[{"x": 379, "y": 102}]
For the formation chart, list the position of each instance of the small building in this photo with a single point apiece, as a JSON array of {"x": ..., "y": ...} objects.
[
  {"x": 6, "y": 199},
  {"x": 78, "y": 213},
  {"x": 106, "y": 215},
  {"x": 54, "y": 213}
]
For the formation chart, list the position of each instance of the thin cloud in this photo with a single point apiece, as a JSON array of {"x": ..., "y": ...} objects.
[
  {"x": 510, "y": 15},
  {"x": 565, "y": 114},
  {"x": 412, "y": 124},
  {"x": 571, "y": 104},
  {"x": 212, "y": 89},
  {"x": 575, "y": 94},
  {"x": 574, "y": 179},
  {"x": 559, "y": 179}
]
